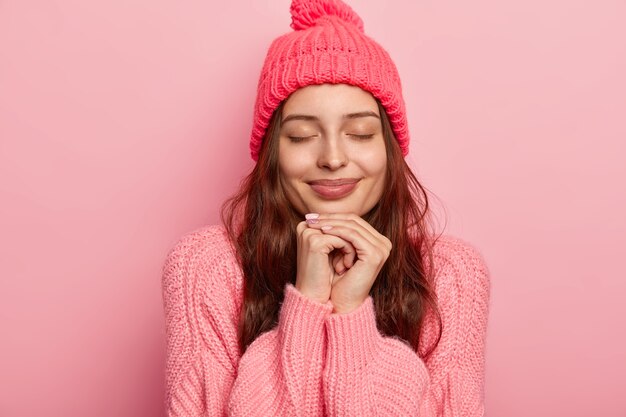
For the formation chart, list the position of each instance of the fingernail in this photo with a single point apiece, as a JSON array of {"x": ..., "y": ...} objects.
[
  {"x": 311, "y": 216},
  {"x": 312, "y": 221},
  {"x": 325, "y": 228}
]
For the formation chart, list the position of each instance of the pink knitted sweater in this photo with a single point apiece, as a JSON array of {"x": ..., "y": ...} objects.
[{"x": 315, "y": 362}]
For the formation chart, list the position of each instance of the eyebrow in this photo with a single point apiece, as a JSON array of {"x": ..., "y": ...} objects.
[{"x": 314, "y": 118}]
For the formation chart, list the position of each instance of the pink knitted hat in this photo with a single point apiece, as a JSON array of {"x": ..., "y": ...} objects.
[{"x": 328, "y": 45}]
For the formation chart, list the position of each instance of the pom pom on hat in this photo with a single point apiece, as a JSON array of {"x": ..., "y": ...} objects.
[
  {"x": 327, "y": 45},
  {"x": 305, "y": 13}
]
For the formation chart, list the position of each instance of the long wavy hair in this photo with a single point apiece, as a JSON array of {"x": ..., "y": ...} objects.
[{"x": 261, "y": 224}]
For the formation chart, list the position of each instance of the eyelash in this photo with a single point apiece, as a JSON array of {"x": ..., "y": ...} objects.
[{"x": 301, "y": 138}]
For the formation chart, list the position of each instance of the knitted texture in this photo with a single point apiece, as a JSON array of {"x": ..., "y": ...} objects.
[
  {"x": 316, "y": 362},
  {"x": 328, "y": 45}
]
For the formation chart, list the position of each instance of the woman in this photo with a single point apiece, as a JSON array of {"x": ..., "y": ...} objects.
[{"x": 325, "y": 292}]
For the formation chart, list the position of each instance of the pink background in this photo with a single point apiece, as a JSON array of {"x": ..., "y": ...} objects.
[{"x": 124, "y": 124}]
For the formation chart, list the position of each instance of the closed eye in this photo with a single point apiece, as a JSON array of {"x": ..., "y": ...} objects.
[
  {"x": 298, "y": 138},
  {"x": 301, "y": 138}
]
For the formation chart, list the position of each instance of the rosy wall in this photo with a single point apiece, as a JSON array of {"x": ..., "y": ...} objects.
[{"x": 124, "y": 124}]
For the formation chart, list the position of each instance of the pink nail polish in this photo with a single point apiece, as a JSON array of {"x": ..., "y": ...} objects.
[
  {"x": 310, "y": 216},
  {"x": 312, "y": 221},
  {"x": 325, "y": 228}
]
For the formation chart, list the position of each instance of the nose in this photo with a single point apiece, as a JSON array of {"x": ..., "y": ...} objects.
[{"x": 332, "y": 154}]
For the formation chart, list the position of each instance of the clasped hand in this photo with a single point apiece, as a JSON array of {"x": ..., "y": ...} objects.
[{"x": 339, "y": 258}]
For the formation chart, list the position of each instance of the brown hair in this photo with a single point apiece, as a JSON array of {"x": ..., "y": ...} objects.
[{"x": 261, "y": 224}]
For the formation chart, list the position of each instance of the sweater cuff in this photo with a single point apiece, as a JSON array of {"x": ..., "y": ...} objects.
[
  {"x": 302, "y": 316},
  {"x": 353, "y": 338}
]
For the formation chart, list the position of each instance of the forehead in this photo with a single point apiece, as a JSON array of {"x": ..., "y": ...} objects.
[{"x": 329, "y": 100}]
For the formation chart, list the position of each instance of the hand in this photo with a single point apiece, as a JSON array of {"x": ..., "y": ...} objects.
[
  {"x": 353, "y": 278},
  {"x": 315, "y": 270}
]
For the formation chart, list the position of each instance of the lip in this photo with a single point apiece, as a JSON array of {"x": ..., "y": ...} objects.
[{"x": 333, "y": 189}]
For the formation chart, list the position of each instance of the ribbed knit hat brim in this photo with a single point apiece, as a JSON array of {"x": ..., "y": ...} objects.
[{"x": 328, "y": 45}]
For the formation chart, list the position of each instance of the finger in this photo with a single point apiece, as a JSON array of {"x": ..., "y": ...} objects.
[
  {"x": 374, "y": 235},
  {"x": 349, "y": 224},
  {"x": 325, "y": 244},
  {"x": 351, "y": 234},
  {"x": 348, "y": 251},
  {"x": 351, "y": 217},
  {"x": 300, "y": 227},
  {"x": 348, "y": 259},
  {"x": 303, "y": 234},
  {"x": 338, "y": 265},
  {"x": 344, "y": 261},
  {"x": 367, "y": 253}
]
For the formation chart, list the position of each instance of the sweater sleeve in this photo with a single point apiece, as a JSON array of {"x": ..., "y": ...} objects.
[
  {"x": 280, "y": 372},
  {"x": 457, "y": 364},
  {"x": 201, "y": 353},
  {"x": 368, "y": 374}
]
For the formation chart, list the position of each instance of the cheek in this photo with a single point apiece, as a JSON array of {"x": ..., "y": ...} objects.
[
  {"x": 293, "y": 164},
  {"x": 377, "y": 170},
  {"x": 374, "y": 161},
  {"x": 289, "y": 177},
  {"x": 288, "y": 171},
  {"x": 285, "y": 162},
  {"x": 379, "y": 166}
]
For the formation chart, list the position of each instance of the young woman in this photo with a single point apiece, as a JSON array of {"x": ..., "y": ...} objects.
[{"x": 326, "y": 292}]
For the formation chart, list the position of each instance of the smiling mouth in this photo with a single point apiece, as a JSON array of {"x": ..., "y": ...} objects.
[{"x": 334, "y": 189}]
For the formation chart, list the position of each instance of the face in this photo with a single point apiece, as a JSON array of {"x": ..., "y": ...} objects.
[{"x": 331, "y": 151}]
